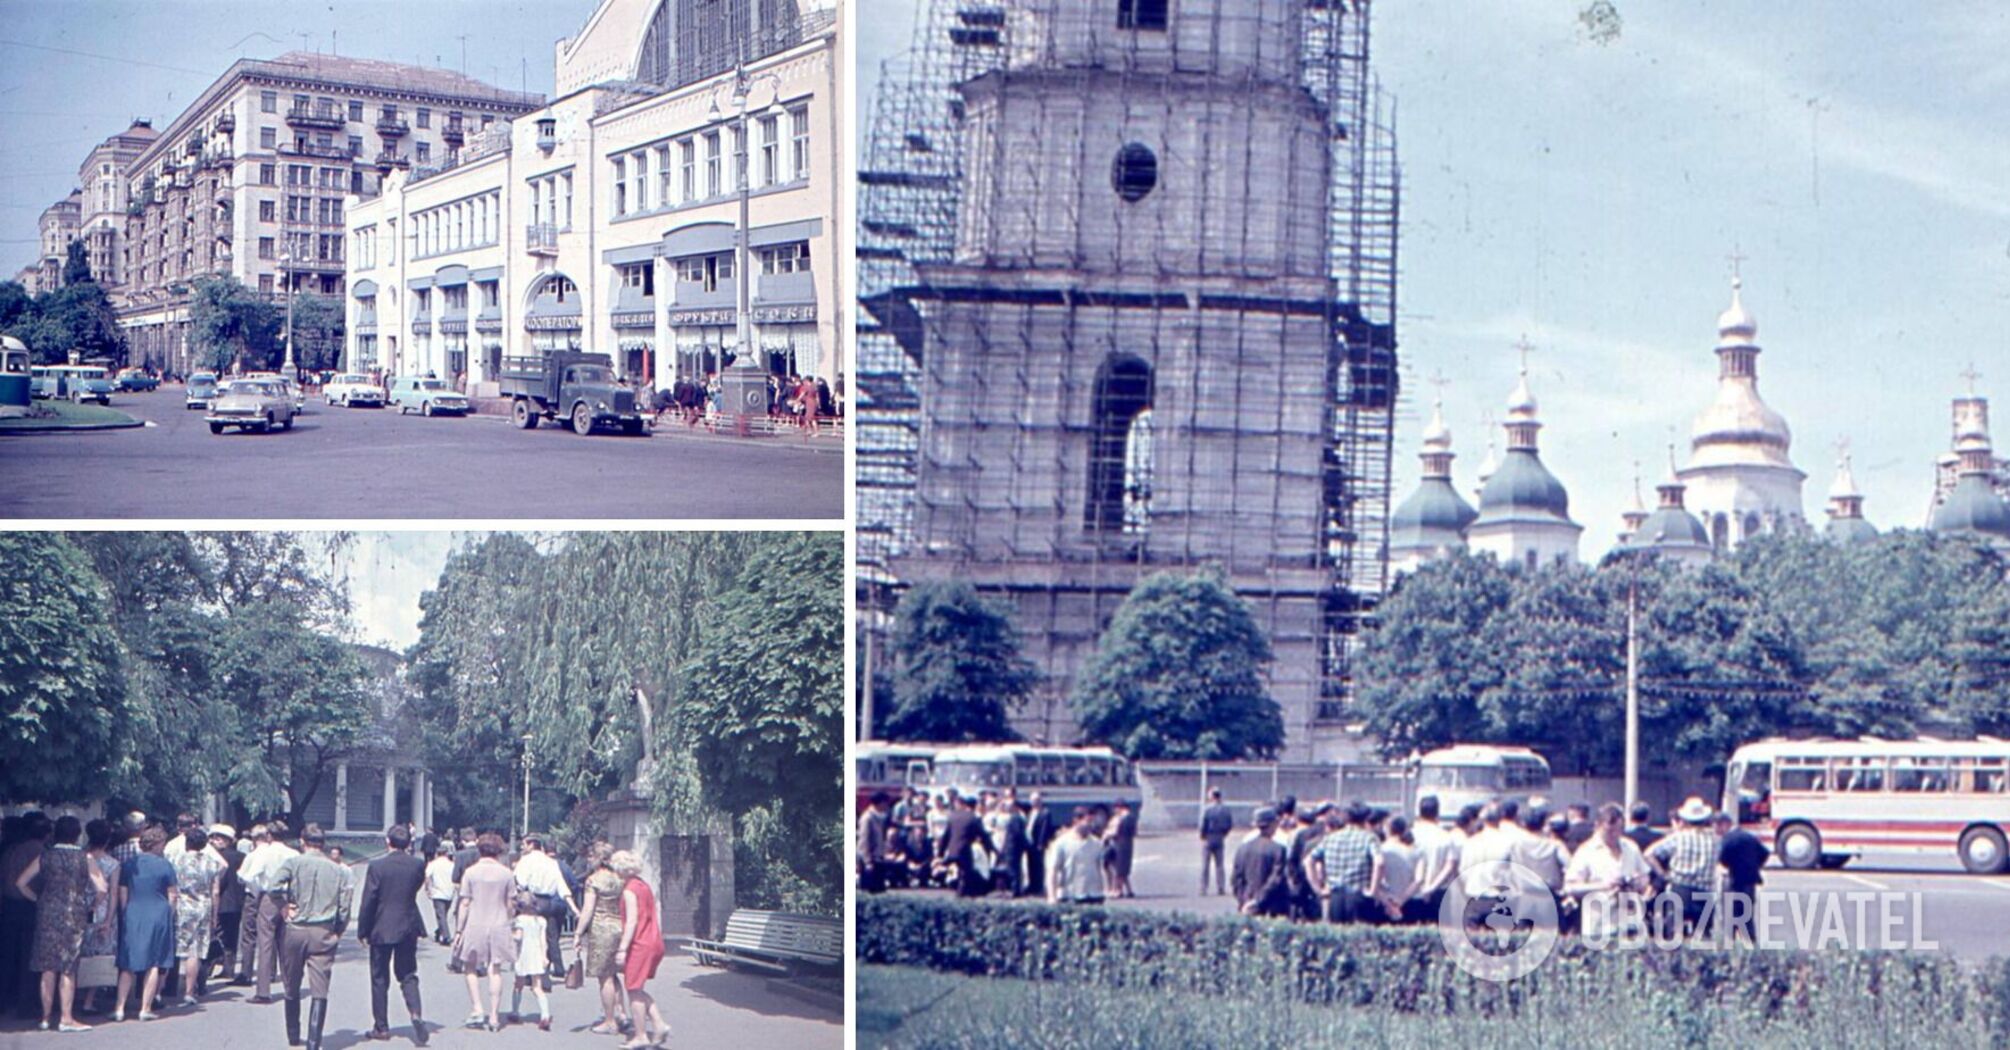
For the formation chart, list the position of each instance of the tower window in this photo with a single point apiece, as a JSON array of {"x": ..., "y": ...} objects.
[
  {"x": 1135, "y": 172},
  {"x": 1142, "y": 14},
  {"x": 1119, "y": 474}
]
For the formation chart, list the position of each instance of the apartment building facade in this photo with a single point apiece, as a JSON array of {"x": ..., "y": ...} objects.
[
  {"x": 57, "y": 228},
  {"x": 608, "y": 220},
  {"x": 106, "y": 194},
  {"x": 251, "y": 179}
]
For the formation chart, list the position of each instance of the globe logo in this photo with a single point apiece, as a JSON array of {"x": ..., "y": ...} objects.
[{"x": 1498, "y": 921}]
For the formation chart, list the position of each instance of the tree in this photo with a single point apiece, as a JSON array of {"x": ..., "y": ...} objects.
[
  {"x": 232, "y": 326},
  {"x": 957, "y": 670},
  {"x": 76, "y": 265},
  {"x": 1422, "y": 672},
  {"x": 317, "y": 331},
  {"x": 17, "y": 309},
  {"x": 1179, "y": 674},
  {"x": 76, "y": 317},
  {"x": 64, "y": 708},
  {"x": 299, "y": 705}
]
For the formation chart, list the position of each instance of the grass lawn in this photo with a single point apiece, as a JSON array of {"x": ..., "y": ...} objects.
[
  {"x": 913, "y": 1008},
  {"x": 67, "y": 414}
]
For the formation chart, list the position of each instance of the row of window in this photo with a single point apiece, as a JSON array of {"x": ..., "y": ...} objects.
[
  {"x": 333, "y": 109},
  {"x": 671, "y": 173},
  {"x": 551, "y": 200},
  {"x": 472, "y": 223},
  {"x": 268, "y": 138}
]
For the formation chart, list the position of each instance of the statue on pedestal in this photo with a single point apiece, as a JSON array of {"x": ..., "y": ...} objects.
[{"x": 644, "y": 783}]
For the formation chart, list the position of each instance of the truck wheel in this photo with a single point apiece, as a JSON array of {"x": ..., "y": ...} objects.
[
  {"x": 522, "y": 416},
  {"x": 582, "y": 419}
]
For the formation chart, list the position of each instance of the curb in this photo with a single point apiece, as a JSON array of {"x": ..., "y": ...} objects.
[
  {"x": 695, "y": 434},
  {"x": 72, "y": 428}
]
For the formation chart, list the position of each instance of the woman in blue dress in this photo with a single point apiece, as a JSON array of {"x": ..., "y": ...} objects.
[{"x": 146, "y": 939}]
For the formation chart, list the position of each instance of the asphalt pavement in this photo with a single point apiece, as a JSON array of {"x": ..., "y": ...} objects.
[{"x": 373, "y": 463}]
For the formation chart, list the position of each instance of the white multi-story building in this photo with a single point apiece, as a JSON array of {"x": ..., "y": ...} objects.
[{"x": 608, "y": 220}]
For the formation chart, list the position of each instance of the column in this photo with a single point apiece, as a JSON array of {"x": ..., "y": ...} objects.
[
  {"x": 390, "y": 795},
  {"x": 341, "y": 798},
  {"x": 666, "y": 354}
]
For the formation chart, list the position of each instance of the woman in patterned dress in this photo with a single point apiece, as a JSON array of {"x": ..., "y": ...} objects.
[
  {"x": 103, "y": 936},
  {"x": 599, "y": 938},
  {"x": 197, "y": 873},
  {"x": 63, "y": 909}
]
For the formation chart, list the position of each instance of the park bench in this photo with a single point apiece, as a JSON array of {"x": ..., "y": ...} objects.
[{"x": 773, "y": 940}]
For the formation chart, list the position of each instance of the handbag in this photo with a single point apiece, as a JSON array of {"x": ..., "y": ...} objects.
[
  {"x": 575, "y": 975},
  {"x": 97, "y": 971}
]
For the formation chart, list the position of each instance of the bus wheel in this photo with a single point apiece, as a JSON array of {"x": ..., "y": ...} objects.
[
  {"x": 1800, "y": 846},
  {"x": 1983, "y": 851}
]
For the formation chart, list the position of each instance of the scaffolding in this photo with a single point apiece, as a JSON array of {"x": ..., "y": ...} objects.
[{"x": 1064, "y": 384}]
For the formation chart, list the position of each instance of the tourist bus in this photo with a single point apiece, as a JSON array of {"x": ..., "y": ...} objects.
[
  {"x": 1065, "y": 777},
  {"x": 1823, "y": 802},
  {"x": 889, "y": 767},
  {"x": 1475, "y": 774}
]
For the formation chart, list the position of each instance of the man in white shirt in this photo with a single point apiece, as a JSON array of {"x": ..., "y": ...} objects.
[
  {"x": 1437, "y": 855},
  {"x": 1075, "y": 862},
  {"x": 260, "y": 870},
  {"x": 1608, "y": 876},
  {"x": 537, "y": 873},
  {"x": 440, "y": 889}
]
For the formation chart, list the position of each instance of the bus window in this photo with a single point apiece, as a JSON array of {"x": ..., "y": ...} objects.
[
  {"x": 1920, "y": 775},
  {"x": 1026, "y": 771},
  {"x": 1862, "y": 774},
  {"x": 1802, "y": 774}
]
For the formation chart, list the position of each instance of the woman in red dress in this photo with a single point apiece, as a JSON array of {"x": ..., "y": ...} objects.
[{"x": 640, "y": 953}]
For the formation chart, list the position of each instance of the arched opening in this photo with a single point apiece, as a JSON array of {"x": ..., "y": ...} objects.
[
  {"x": 1119, "y": 473},
  {"x": 1720, "y": 531},
  {"x": 1751, "y": 527}
]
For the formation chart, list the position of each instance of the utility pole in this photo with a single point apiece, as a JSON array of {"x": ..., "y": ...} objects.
[
  {"x": 526, "y": 787},
  {"x": 1632, "y": 682}
]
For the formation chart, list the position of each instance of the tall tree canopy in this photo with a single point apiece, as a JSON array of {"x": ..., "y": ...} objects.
[
  {"x": 232, "y": 326},
  {"x": 1179, "y": 674},
  {"x": 957, "y": 673}
]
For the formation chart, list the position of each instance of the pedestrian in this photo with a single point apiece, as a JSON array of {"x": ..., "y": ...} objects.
[
  {"x": 1215, "y": 824},
  {"x": 60, "y": 884},
  {"x": 1542, "y": 850},
  {"x": 1298, "y": 839},
  {"x": 198, "y": 875},
  {"x": 640, "y": 953},
  {"x": 260, "y": 869},
  {"x": 1396, "y": 878},
  {"x": 1580, "y": 826},
  {"x": 388, "y": 925},
  {"x": 528, "y": 929},
  {"x": 1342, "y": 867},
  {"x": 599, "y": 938},
  {"x": 27, "y": 837},
  {"x": 484, "y": 943},
  {"x": 229, "y": 905},
  {"x": 146, "y": 933},
  {"x": 101, "y": 940},
  {"x": 314, "y": 892},
  {"x": 963, "y": 833},
  {"x": 1639, "y": 828},
  {"x": 464, "y": 858},
  {"x": 440, "y": 890},
  {"x": 1075, "y": 862},
  {"x": 1742, "y": 856},
  {"x": 1260, "y": 886},
  {"x": 1011, "y": 840},
  {"x": 1437, "y": 857},
  {"x": 1686, "y": 860},
  {"x": 538, "y": 873},
  {"x": 874, "y": 838},
  {"x": 1040, "y": 831},
  {"x": 1122, "y": 849},
  {"x": 1607, "y": 877}
]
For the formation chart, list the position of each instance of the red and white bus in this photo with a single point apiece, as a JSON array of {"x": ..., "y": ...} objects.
[
  {"x": 1822, "y": 802},
  {"x": 880, "y": 766}
]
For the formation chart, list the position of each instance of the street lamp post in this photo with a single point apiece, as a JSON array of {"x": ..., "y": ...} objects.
[
  {"x": 743, "y": 388},
  {"x": 286, "y": 256},
  {"x": 526, "y": 787},
  {"x": 1632, "y": 684}
]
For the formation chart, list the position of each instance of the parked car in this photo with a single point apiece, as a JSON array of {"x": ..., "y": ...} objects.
[
  {"x": 349, "y": 390},
  {"x": 201, "y": 390},
  {"x": 134, "y": 379},
  {"x": 252, "y": 404},
  {"x": 428, "y": 396}
]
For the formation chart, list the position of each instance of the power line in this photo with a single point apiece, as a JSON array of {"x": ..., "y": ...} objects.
[{"x": 107, "y": 58}]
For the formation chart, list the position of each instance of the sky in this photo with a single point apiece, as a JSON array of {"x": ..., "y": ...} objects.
[
  {"x": 386, "y": 573},
  {"x": 74, "y": 72},
  {"x": 1589, "y": 195}
]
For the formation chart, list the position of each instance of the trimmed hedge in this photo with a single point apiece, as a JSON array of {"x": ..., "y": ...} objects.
[{"x": 1398, "y": 968}]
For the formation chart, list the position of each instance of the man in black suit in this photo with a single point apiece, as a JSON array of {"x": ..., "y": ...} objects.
[
  {"x": 1215, "y": 824},
  {"x": 1040, "y": 831},
  {"x": 389, "y": 925},
  {"x": 960, "y": 839},
  {"x": 1259, "y": 883},
  {"x": 1742, "y": 855}
]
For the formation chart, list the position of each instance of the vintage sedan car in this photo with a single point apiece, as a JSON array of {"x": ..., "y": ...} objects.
[
  {"x": 349, "y": 390},
  {"x": 427, "y": 396},
  {"x": 251, "y": 404},
  {"x": 201, "y": 390},
  {"x": 133, "y": 379},
  {"x": 293, "y": 388}
]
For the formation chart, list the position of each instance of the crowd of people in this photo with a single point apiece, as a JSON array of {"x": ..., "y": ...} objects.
[
  {"x": 1334, "y": 862},
  {"x": 799, "y": 401},
  {"x": 996, "y": 843},
  {"x": 157, "y": 917}
]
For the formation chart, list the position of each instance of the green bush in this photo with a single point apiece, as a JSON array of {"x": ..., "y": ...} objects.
[{"x": 1407, "y": 970}]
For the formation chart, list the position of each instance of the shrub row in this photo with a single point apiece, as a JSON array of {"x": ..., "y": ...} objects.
[{"x": 1400, "y": 969}]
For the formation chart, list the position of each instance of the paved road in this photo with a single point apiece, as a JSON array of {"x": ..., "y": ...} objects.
[
  {"x": 706, "y": 1007},
  {"x": 1961, "y": 913},
  {"x": 369, "y": 463}
]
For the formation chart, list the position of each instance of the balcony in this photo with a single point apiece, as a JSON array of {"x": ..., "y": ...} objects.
[
  {"x": 218, "y": 158},
  {"x": 454, "y": 132},
  {"x": 323, "y": 118},
  {"x": 391, "y": 127},
  {"x": 541, "y": 238},
  {"x": 309, "y": 149},
  {"x": 547, "y": 134},
  {"x": 193, "y": 147},
  {"x": 226, "y": 122},
  {"x": 391, "y": 159}
]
